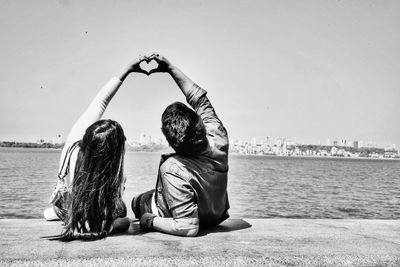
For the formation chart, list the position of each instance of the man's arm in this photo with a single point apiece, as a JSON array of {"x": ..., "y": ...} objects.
[
  {"x": 198, "y": 100},
  {"x": 180, "y": 198},
  {"x": 183, "y": 81},
  {"x": 180, "y": 227},
  {"x": 172, "y": 226}
]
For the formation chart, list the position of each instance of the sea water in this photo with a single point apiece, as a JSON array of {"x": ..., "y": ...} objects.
[{"x": 258, "y": 186}]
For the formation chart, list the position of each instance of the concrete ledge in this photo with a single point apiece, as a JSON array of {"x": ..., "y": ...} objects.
[{"x": 237, "y": 242}]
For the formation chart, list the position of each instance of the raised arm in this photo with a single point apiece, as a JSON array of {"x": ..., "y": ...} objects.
[
  {"x": 198, "y": 100},
  {"x": 96, "y": 108},
  {"x": 99, "y": 104},
  {"x": 92, "y": 114},
  {"x": 183, "y": 81},
  {"x": 180, "y": 196}
]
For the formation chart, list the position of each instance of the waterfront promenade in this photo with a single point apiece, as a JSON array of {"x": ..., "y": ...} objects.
[{"x": 237, "y": 242}]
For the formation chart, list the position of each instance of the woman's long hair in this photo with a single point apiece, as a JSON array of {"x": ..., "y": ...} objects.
[{"x": 96, "y": 197}]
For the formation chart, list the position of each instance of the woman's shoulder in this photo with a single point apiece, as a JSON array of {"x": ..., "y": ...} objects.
[{"x": 69, "y": 155}]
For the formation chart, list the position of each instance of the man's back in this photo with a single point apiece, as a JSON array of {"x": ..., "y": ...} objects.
[
  {"x": 191, "y": 184},
  {"x": 196, "y": 185},
  {"x": 206, "y": 181}
]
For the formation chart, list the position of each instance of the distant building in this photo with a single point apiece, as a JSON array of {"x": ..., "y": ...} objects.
[
  {"x": 40, "y": 141},
  {"x": 57, "y": 140},
  {"x": 279, "y": 142},
  {"x": 145, "y": 139},
  {"x": 360, "y": 144},
  {"x": 371, "y": 144},
  {"x": 142, "y": 138},
  {"x": 133, "y": 143},
  {"x": 267, "y": 141},
  {"x": 350, "y": 143},
  {"x": 355, "y": 144},
  {"x": 253, "y": 141},
  {"x": 161, "y": 141}
]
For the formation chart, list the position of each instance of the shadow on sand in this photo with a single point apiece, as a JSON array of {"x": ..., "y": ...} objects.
[{"x": 227, "y": 226}]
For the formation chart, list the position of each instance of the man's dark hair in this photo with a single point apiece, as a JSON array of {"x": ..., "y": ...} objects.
[{"x": 184, "y": 129}]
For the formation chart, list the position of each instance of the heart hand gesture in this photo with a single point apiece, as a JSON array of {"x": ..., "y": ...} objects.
[
  {"x": 163, "y": 64},
  {"x": 142, "y": 65},
  {"x": 134, "y": 66}
]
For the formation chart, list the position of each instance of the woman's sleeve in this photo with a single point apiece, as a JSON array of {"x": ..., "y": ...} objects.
[
  {"x": 67, "y": 159},
  {"x": 67, "y": 166},
  {"x": 94, "y": 112}
]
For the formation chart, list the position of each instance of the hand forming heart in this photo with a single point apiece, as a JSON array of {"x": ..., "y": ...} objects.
[
  {"x": 151, "y": 64},
  {"x": 148, "y": 65}
]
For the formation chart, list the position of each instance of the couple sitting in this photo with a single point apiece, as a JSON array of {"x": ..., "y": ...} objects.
[{"x": 191, "y": 184}]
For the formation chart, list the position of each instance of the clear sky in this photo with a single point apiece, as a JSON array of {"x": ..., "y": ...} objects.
[{"x": 305, "y": 70}]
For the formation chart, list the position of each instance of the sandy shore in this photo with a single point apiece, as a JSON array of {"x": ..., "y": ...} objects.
[{"x": 237, "y": 242}]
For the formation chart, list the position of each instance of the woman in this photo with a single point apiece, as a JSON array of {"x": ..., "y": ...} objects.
[{"x": 89, "y": 201}]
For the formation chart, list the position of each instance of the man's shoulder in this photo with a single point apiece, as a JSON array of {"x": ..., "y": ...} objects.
[{"x": 171, "y": 163}]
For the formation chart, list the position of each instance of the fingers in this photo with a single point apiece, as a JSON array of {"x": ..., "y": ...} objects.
[
  {"x": 147, "y": 58},
  {"x": 143, "y": 71},
  {"x": 156, "y": 56},
  {"x": 137, "y": 67},
  {"x": 142, "y": 58},
  {"x": 154, "y": 71}
]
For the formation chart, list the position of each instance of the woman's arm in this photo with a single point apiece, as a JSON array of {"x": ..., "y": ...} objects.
[
  {"x": 99, "y": 104},
  {"x": 93, "y": 113}
]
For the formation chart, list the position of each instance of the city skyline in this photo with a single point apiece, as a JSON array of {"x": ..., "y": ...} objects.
[
  {"x": 144, "y": 138},
  {"x": 308, "y": 71}
]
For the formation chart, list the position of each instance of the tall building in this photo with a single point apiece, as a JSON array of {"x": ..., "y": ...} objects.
[
  {"x": 253, "y": 141},
  {"x": 355, "y": 144},
  {"x": 149, "y": 140},
  {"x": 267, "y": 141},
  {"x": 278, "y": 142},
  {"x": 145, "y": 139},
  {"x": 360, "y": 144},
  {"x": 142, "y": 139}
]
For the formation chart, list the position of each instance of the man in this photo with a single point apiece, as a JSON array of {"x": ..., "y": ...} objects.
[{"x": 191, "y": 184}]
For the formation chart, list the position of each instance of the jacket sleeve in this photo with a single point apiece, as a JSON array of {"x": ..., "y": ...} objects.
[
  {"x": 94, "y": 111},
  {"x": 92, "y": 114},
  {"x": 216, "y": 133},
  {"x": 181, "y": 201}
]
